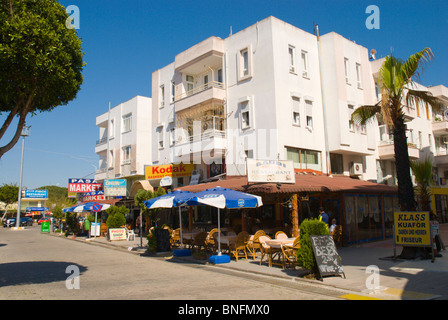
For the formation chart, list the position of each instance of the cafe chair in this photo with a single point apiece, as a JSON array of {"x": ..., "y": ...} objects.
[
  {"x": 289, "y": 253},
  {"x": 212, "y": 244},
  {"x": 239, "y": 246},
  {"x": 280, "y": 235},
  {"x": 264, "y": 248},
  {"x": 200, "y": 241},
  {"x": 337, "y": 235},
  {"x": 130, "y": 235},
  {"x": 254, "y": 245}
]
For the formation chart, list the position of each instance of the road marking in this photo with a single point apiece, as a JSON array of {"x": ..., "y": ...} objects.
[
  {"x": 352, "y": 296},
  {"x": 410, "y": 294}
]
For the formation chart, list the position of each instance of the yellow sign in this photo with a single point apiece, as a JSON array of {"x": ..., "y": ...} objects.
[
  {"x": 412, "y": 229},
  {"x": 170, "y": 170}
]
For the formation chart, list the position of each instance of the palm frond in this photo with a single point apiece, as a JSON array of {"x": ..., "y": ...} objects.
[
  {"x": 410, "y": 69},
  {"x": 413, "y": 95},
  {"x": 365, "y": 113}
]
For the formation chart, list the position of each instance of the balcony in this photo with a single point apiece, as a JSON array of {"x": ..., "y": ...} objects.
[
  {"x": 386, "y": 150},
  {"x": 207, "y": 136},
  {"x": 206, "y": 53},
  {"x": 213, "y": 90},
  {"x": 440, "y": 127}
]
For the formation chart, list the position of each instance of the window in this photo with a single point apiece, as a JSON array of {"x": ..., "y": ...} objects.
[
  {"x": 220, "y": 78},
  {"x": 245, "y": 62},
  {"x": 347, "y": 74},
  {"x": 245, "y": 120},
  {"x": 351, "y": 125},
  {"x": 172, "y": 136},
  {"x": 304, "y": 159},
  {"x": 126, "y": 154},
  {"x": 292, "y": 62},
  {"x": 358, "y": 76},
  {"x": 160, "y": 136},
  {"x": 162, "y": 96},
  {"x": 206, "y": 81},
  {"x": 190, "y": 84},
  {"x": 309, "y": 114},
  {"x": 111, "y": 159},
  {"x": 173, "y": 91},
  {"x": 296, "y": 111},
  {"x": 127, "y": 122},
  {"x": 249, "y": 154},
  {"x": 304, "y": 57},
  {"x": 336, "y": 163}
]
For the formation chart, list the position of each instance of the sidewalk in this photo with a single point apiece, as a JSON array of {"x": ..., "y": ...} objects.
[{"x": 398, "y": 279}]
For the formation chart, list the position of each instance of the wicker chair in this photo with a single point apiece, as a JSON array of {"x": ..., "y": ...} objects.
[
  {"x": 239, "y": 245},
  {"x": 211, "y": 243},
  {"x": 281, "y": 235},
  {"x": 200, "y": 241},
  {"x": 175, "y": 237},
  {"x": 264, "y": 248},
  {"x": 337, "y": 235},
  {"x": 289, "y": 253},
  {"x": 254, "y": 245}
]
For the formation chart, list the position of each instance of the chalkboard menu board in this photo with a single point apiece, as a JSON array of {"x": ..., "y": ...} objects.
[
  {"x": 162, "y": 240},
  {"x": 327, "y": 258}
]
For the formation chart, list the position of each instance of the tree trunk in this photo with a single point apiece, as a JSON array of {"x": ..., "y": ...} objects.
[{"x": 405, "y": 188}]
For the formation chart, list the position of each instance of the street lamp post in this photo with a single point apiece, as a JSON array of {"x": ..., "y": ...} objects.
[{"x": 25, "y": 133}]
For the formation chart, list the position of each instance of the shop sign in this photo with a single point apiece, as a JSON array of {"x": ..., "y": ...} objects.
[
  {"x": 83, "y": 185},
  {"x": 168, "y": 170},
  {"x": 36, "y": 194},
  {"x": 115, "y": 187},
  {"x": 93, "y": 196},
  {"x": 117, "y": 234},
  {"x": 276, "y": 171},
  {"x": 412, "y": 229}
]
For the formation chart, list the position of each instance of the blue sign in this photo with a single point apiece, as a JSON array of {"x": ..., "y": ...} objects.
[
  {"x": 36, "y": 208},
  {"x": 36, "y": 194}
]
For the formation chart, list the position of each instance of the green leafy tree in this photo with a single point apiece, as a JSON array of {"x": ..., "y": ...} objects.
[
  {"x": 396, "y": 78},
  {"x": 116, "y": 217},
  {"x": 143, "y": 195},
  {"x": 41, "y": 61},
  {"x": 9, "y": 194}
]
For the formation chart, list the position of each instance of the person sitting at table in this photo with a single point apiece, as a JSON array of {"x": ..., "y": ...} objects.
[{"x": 333, "y": 226}]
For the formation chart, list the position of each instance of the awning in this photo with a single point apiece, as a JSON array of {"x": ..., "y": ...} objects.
[{"x": 304, "y": 183}]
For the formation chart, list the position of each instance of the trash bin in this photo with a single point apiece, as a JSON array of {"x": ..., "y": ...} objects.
[{"x": 45, "y": 227}]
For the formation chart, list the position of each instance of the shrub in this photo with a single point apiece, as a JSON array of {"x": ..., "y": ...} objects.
[
  {"x": 305, "y": 255},
  {"x": 116, "y": 217}
]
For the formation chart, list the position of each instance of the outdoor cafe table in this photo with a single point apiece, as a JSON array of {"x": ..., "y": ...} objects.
[
  {"x": 275, "y": 246},
  {"x": 227, "y": 240}
]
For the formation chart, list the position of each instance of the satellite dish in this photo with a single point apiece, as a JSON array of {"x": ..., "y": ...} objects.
[{"x": 445, "y": 114}]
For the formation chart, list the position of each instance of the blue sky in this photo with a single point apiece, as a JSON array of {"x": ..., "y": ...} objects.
[{"x": 125, "y": 41}]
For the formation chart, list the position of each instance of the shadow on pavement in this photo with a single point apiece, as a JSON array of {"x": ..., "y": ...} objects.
[{"x": 35, "y": 272}]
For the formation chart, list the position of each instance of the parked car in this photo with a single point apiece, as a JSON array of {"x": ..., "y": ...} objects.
[
  {"x": 8, "y": 223},
  {"x": 43, "y": 219},
  {"x": 26, "y": 221}
]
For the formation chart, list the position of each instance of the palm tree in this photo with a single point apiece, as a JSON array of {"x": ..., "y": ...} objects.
[
  {"x": 396, "y": 78},
  {"x": 423, "y": 174}
]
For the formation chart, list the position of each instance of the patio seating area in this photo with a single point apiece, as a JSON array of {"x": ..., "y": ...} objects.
[{"x": 279, "y": 250}]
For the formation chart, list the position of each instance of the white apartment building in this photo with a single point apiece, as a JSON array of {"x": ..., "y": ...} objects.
[
  {"x": 271, "y": 91},
  {"x": 124, "y": 144}
]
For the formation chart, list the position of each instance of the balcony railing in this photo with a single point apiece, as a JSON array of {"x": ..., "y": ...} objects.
[
  {"x": 213, "y": 127},
  {"x": 206, "y": 86},
  {"x": 101, "y": 141}
]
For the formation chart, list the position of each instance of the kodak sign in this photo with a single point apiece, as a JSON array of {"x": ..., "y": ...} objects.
[{"x": 170, "y": 170}]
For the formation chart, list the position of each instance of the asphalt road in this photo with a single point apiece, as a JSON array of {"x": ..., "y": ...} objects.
[{"x": 37, "y": 266}]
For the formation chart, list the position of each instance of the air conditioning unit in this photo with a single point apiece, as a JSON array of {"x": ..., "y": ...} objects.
[{"x": 356, "y": 169}]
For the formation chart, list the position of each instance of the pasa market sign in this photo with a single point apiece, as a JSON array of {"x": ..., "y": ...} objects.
[
  {"x": 168, "y": 170},
  {"x": 412, "y": 229},
  {"x": 83, "y": 185}
]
